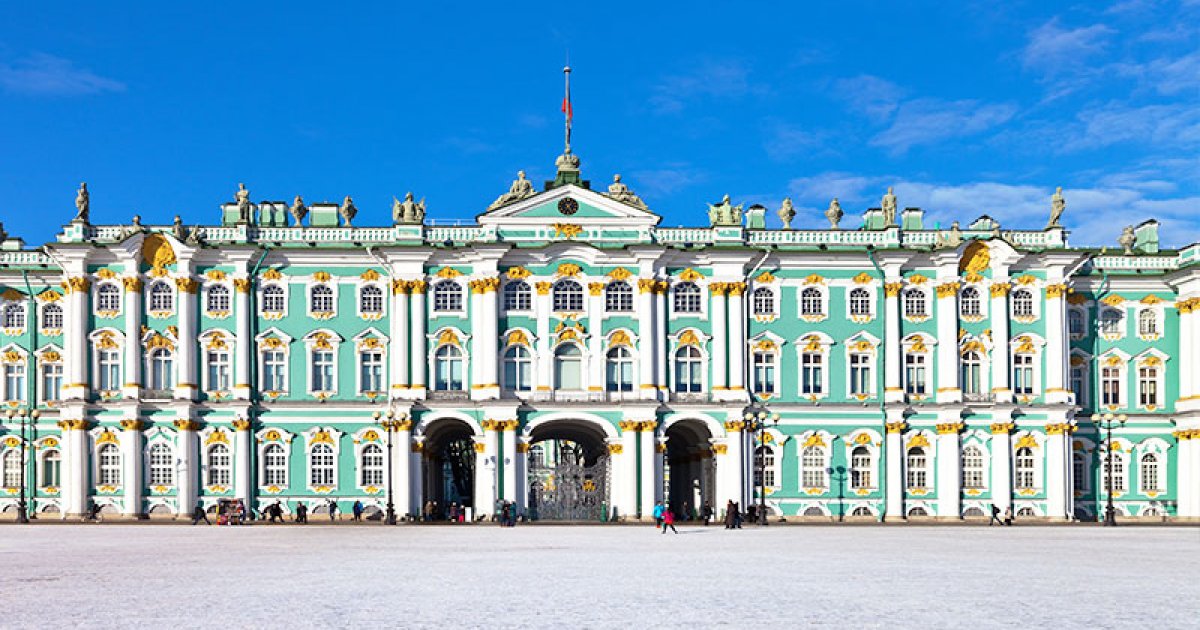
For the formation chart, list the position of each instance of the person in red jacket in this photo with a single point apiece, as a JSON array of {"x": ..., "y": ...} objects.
[{"x": 668, "y": 519}]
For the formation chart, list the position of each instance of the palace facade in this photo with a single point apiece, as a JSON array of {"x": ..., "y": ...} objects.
[{"x": 898, "y": 371}]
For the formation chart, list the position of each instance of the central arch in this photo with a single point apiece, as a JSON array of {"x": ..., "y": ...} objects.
[
  {"x": 569, "y": 474},
  {"x": 690, "y": 472},
  {"x": 448, "y": 466}
]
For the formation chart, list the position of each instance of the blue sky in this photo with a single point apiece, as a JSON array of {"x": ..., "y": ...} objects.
[{"x": 972, "y": 109}]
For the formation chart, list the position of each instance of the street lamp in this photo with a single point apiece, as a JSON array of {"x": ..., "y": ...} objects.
[
  {"x": 1107, "y": 422},
  {"x": 24, "y": 414},
  {"x": 391, "y": 425},
  {"x": 757, "y": 418},
  {"x": 838, "y": 474}
]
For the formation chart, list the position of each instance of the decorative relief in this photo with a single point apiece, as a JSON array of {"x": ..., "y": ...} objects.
[
  {"x": 947, "y": 289},
  {"x": 918, "y": 440},
  {"x": 448, "y": 337},
  {"x": 765, "y": 277},
  {"x": 216, "y": 275},
  {"x": 518, "y": 338},
  {"x": 157, "y": 252},
  {"x": 1113, "y": 300},
  {"x": 447, "y": 272},
  {"x": 620, "y": 273},
  {"x": 947, "y": 428},
  {"x": 689, "y": 338},
  {"x": 370, "y": 275},
  {"x": 918, "y": 279},
  {"x": 862, "y": 278},
  {"x": 566, "y": 230},
  {"x": 1000, "y": 289},
  {"x": 690, "y": 275},
  {"x": 569, "y": 269},
  {"x": 596, "y": 288},
  {"x": 543, "y": 288},
  {"x": 187, "y": 285},
  {"x": 892, "y": 289},
  {"x": 619, "y": 338},
  {"x": 272, "y": 274},
  {"x": 518, "y": 273},
  {"x": 814, "y": 279},
  {"x": 1055, "y": 291}
]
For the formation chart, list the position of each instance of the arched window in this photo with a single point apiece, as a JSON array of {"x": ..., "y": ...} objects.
[
  {"x": 1023, "y": 374},
  {"x": 1075, "y": 323},
  {"x": 274, "y": 465},
  {"x": 618, "y": 297},
  {"x": 811, "y": 304},
  {"x": 274, "y": 300},
  {"x": 109, "y": 458},
  {"x": 914, "y": 303},
  {"x": 108, "y": 298},
  {"x": 321, "y": 465},
  {"x": 320, "y": 299},
  {"x": 689, "y": 370},
  {"x": 917, "y": 468},
  {"x": 51, "y": 469},
  {"x": 972, "y": 373},
  {"x": 567, "y": 296},
  {"x": 812, "y": 467},
  {"x": 162, "y": 298},
  {"x": 568, "y": 367},
  {"x": 1111, "y": 321},
  {"x": 372, "y": 465},
  {"x": 860, "y": 468},
  {"x": 861, "y": 510},
  {"x": 969, "y": 303},
  {"x": 860, "y": 302},
  {"x": 1148, "y": 386},
  {"x": 447, "y": 296},
  {"x": 972, "y": 467},
  {"x": 14, "y": 316},
  {"x": 764, "y": 369},
  {"x": 448, "y": 369},
  {"x": 52, "y": 317},
  {"x": 12, "y": 468},
  {"x": 812, "y": 373},
  {"x": 162, "y": 465},
  {"x": 1022, "y": 303},
  {"x": 764, "y": 301},
  {"x": 517, "y": 296},
  {"x": 518, "y": 369},
  {"x": 220, "y": 466},
  {"x": 1024, "y": 468},
  {"x": 764, "y": 467},
  {"x": 1148, "y": 323},
  {"x": 687, "y": 297},
  {"x": 370, "y": 300},
  {"x": 217, "y": 299},
  {"x": 1149, "y": 473},
  {"x": 162, "y": 371},
  {"x": 619, "y": 370}
]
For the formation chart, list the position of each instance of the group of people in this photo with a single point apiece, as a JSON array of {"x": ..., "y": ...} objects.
[
  {"x": 1008, "y": 516},
  {"x": 506, "y": 514},
  {"x": 664, "y": 517}
]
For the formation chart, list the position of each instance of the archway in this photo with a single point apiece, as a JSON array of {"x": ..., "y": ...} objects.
[
  {"x": 568, "y": 472},
  {"x": 690, "y": 472},
  {"x": 448, "y": 466}
]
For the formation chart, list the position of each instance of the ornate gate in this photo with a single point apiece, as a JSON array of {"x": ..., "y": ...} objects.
[{"x": 569, "y": 489}]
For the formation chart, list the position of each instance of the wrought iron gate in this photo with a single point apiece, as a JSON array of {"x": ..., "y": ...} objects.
[{"x": 570, "y": 490}]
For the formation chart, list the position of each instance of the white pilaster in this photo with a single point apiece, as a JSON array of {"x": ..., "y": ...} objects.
[
  {"x": 625, "y": 477},
  {"x": 400, "y": 471},
  {"x": 1191, "y": 486},
  {"x": 485, "y": 474},
  {"x": 75, "y": 341},
  {"x": 1057, "y": 477},
  {"x": 892, "y": 391},
  {"x": 79, "y": 461},
  {"x": 595, "y": 319},
  {"x": 188, "y": 473},
  {"x": 398, "y": 353},
  {"x": 998, "y": 312},
  {"x": 419, "y": 353},
  {"x": 894, "y": 456},
  {"x": 736, "y": 462},
  {"x": 545, "y": 356},
  {"x": 651, "y": 481},
  {"x": 1057, "y": 347},
  {"x": 949, "y": 466},
  {"x": 242, "y": 349},
  {"x": 521, "y": 468},
  {"x": 416, "y": 481},
  {"x": 187, "y": 384},
  {"x": 134, "y": 355},
  {"x": 479, "y": 356},
  {"x": 508, "y": 434},
  {"x": 1001, "y": 458},
  {"x": 660, "y": 343},
  {"x": 242, "y": 473},
  {"x": 646, "y": 329},
  {"x": 720, "y": 340},
  {"x": 738, "y": 341},
  {"x": 131, "y": 458},
  {"x": 488, "y": 342},
  {"x": 948, "y": 390}
]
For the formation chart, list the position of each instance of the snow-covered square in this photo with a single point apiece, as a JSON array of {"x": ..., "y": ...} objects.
[{"x": 591, "y": 576}]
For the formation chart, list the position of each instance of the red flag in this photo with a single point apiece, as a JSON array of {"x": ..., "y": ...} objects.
[{"x": 566, "y": 107}]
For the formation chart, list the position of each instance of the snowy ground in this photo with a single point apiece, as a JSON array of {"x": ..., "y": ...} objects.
[{"x": 568, "y": 577}]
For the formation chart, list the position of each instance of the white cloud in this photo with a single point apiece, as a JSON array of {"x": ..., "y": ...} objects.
[
  {"x": 707, "y": 79},
  {"x": 1052, "y": 49},
  {"x": 1153, "y": 125},
  {"x": 40, "y": 74},
  {"x": 870, "y": 95},
  {"x": 927, "y": 121},
  {"x": 785, "y": 141},
  {"x": 664, "y": 181}
]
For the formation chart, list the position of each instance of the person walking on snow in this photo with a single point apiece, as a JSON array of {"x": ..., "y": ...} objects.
[
  {"x": 301, "y": 513},
  {"x": 658, "y": 514},
  {"x": 706, "y": 513},
  {"x": 1008, "y": 516},
  {"x": 995, "y": 516},
  {"x": 199, "y": 514},
  {"x": 332, "y": 511},
  {"x": 668, "y": 519},
  {"x": 729, "y": 514},
  {"x": 358, "y": 511}
]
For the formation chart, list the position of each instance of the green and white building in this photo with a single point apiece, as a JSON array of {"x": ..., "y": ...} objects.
[{"x": 285, "y": 355}]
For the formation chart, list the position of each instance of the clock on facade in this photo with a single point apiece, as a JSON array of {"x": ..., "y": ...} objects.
[{"x": 568, "y": 206}]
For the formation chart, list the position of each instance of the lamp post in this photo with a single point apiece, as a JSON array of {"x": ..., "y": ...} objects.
[
  {"x": 391, "y": 425},
  {"x": 838, "y": 474},
  {"x": 757, "y": 418},
  {"x": 25, "y": 415},
  {"x": 1106, "y": 422}
]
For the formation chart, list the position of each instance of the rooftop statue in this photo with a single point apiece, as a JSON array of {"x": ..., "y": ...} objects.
[
  {"x": 133, "y": 228},
  {"x": 521, "y": 188},
  {"x": 3, "y": 233},
  {"x": 244, "y": 207},
  {"x": 298, "y": 210},
  {"x": 621, "y": 192},
  {"x": 1127, "y": 240},
  {"x": 348, "y": 211},
  {"x": 725, "y": 213},
  {"x": 1057, "y": 205},
  {"x": 177, "y": 229},
  {"x": 787, "y": 212},
  {"x": 889, "y": 208},
  {"x": 82, "y": 204},
  {"x": 834, "y": 214},
  {"x": 408, "y": 211},
  {"x": 193, "y": 236},
  {"x": 950, "y": 239}
]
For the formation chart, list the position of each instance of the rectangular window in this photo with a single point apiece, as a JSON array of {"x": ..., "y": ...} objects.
[
  {"x": 371, "y": 379},
  {"x": 109, "y": 378},
  {"x": 1110, "y": 386},
  {"x": 14, "y": 381},
  {"x": 218, "y": 371},
  {"x": 860, "y": 374},
  {"x": 1147, "y": 387},
  {"x": 1023, "y": 374},
  {"x": 914, "y": 374},
  {"x": 812, "y": 374},
  {"x": 1079, "y": 384},
  {"x": 52, "y": 375},
  {"x": 274, "y": 371},
  {"x": 322, "y": 370},
  {"x": 764, "y": 372}
]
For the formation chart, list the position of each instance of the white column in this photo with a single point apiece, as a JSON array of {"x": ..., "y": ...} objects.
[
  {"x": 736, "y": 461},
  {"x": 75, "y": 342},
  {"x": 242, "y": 473},
  {"x": 521, "y": 467},
  {"x": 720, "y": 339},
  {"x": 545, "y": 356},
  {"x": 478, "y": 344},
  {"x": 1191, "y": 486},
  {"x": 625, "y": 477},
  {"x": 242, "y": 349},
  {"x": 1001, "y": 464},
  {"x": 508, "y": 435},
  {"x": 1057, "y": 461},
  {"x": 660, "y": 342},
  {"x": 187, "y": 384},
  {"x": 1057, "y": 344},
  {"x": 892, "y": 391},
  {"x": 416, "y": 472},
  {"x": 1183, "y": 473},
  {"x": 651, "y": 481},
  {"x": 737, "y": 340},
  {"x": 398, "y": 352},
  {"x": 187, "y": 475},
  {"x": 485, "y": 474},
  {"x": 646, "y": 331},
  {"x": 948, "y": 390},
  {"x": 133, "y": 338},
  {"x": 400, "y": 471},
  {"x": 998, "y": 312},
  {"x": 488, "y": 340},
  {"x": 595, "y": 376},
  {"x": 894, "y": 456},
  {"x": 419, "y": 352},
  {"x": 131, "y": 458},
  {"x": 728, "y": 476},
  {"x": 1189, "y": 354},
  {"x": 949, "y": 468},
  {"x": 79, "y": 461}
]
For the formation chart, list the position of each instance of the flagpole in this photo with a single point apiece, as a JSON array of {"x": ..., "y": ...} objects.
[{"x": 567, "y": 106}]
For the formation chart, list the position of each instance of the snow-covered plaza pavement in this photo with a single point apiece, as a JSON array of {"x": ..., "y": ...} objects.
[{"x": 583, "y": 576}]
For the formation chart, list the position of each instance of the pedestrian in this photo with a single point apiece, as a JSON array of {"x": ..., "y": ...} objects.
[
  {"x": 301, "y": 513},
  {"x": 1008, "y": 516},
  {"x": 737, "y": 516},
  {"x": 669, "y": 521},
  {"x": 332, "y": 511},
  {"x": 706, "y": 513},
  {"x": 198, "y": 515},
  {"x": 658, "y": 514},
  {"x": 276, "y": 511},
  {"x": 93, "y": 513},
  {"x": 995, "y": 516},
  {"x": 358, "y": 510},
  {"x": 428, "y": 511},
  {"x": 454, "y": 512},
  {"x": 729, "y": 510}
]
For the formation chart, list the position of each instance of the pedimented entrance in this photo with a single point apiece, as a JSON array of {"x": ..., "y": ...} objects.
[{"x": 569, "y": 472}]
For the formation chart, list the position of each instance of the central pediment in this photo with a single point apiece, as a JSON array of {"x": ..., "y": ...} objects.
[{"x": 569, "y": 204}]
